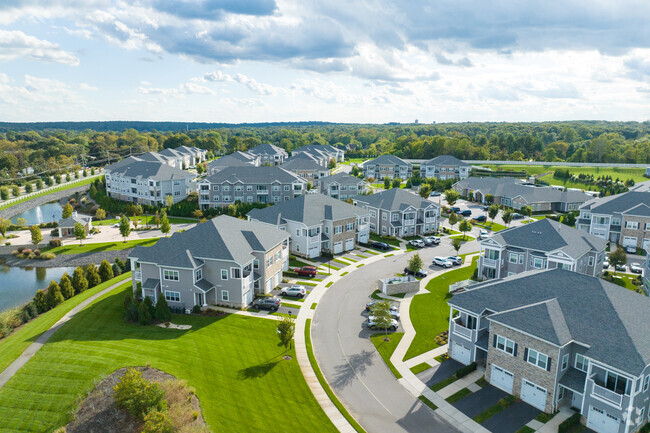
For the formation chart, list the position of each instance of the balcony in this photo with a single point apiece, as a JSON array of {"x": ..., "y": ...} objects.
[
  {"x": 608, "y": 395},
  {"x": 459, "y": 329},
  {"x": 314, "y": 239},
  {"x": 138, "y": 275},
  {"x": 490, "y": 263},
  {"x": 409, "y": 222},
  {"x": 363, "y": 227}
]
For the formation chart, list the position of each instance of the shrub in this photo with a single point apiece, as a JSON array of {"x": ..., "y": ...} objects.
[
  {"x": 55, "y": 243},
  {"x": 137, "y": 395},
  {"x": 79, "y": 281},
  {"x": 464, "y": 371},
  {"x": 48, "y": 256},
  {"x": 116, "y": 269},
  {"x": 144, "y": 315},
  {"x": 105, "y": 270},
  {"x": 196, "y": 309},
  {"x": 162, "y": 312},
  {"x": 37, "y": 252},
  {"x": 40, "y": 300},
  {"x": 31, "y": 309},
  {"x": 130, "y": 308},
  {"x": 157, "y": 422},
  {"x": 66, "y": 286},
  {"x": 568, "y": 424},
  {"x": 92, "y": 275},
  {"x": 54, "y": 296},
  {"x": 25, "y": 250},
  {"x": 28, "y": 188}
]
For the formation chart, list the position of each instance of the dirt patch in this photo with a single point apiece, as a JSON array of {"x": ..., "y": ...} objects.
[{"x": 98, "y": 413}]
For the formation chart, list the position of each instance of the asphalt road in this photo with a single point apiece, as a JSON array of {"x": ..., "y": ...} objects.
[{"x": 349, "y": 361}]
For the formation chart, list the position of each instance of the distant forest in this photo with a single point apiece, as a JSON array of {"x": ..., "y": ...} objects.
[{"x": 51, "y": 147}]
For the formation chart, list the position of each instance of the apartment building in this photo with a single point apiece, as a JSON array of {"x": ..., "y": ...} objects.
[
  {"x": 321, "y": 152},
  {"x": 224, "y": 261},
  {"x": 235, "y": 159},
  {"x": 269, "y": 154},
  {"x": 317, "y": 224},
  {"x": 559, "y": 338},
  {"x": 445, "y": 167},
  {"x": 387, "y": 166},
  {"x": 305, "y": 167},
  {"x": 342, "y": 186}
]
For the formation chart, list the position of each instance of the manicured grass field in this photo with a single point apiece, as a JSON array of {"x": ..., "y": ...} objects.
[
  {"x": 420, "y": 368},
  {"x": 390, "y": 241},
  {"x": 15, "y": 344},
  {"x": 102, "y": 246},
  {"x": 490, "y": 225},
  {"x": 143, "y": 219},
  {"x": 234, "y": 363},
  {"x": 464, "y": 238},
  {"x": 429, "y": 313},
  {"x": 386, "y": 348}
]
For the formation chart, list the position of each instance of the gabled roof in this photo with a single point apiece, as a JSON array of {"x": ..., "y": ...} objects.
[
  {"x": 548, "y": 235},
  {"x": 322, "y": 148},
  {"x": 342, "y": 179},
  {"x": 316, "y": 157},
  {"x": 394, "y": 199},
  {"x": 446, "y": 160},
  {"x": 235, "y": 159},
  {"x": 188, "y": 150},
  {"x": 641, "y": 209},
  {"x": 560, "y": 306},
  {"x": 618, "y": 203},
  {"x": 267, "y": 149},
  {"x": 386, "y": 159},
  {"x": 154, "y": 156},
  {"x": 250, "y": 174},
  {"x": 71, "y": 221},
  {"x": 148, "y": 169},
  {"x": 171, "y": 152},
  {"x": 296, "y": 163},
  {"x": 513, "y": 188},
  {"x": 310, "y": 209},
  {"x": 221, "y": 238}
]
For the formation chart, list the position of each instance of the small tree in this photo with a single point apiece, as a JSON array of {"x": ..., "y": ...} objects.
[
  {"x": 15, "y": 190},
  {"x": 79, "y": 232},
  {"x": 169, "y": 201},
  {"x": 331, "y": 164},
  {"x": 165, "y": 227},
  {"x": 66, "y": 286},
  {"x": 493, "y": 211},
  {"x": 453, "y": 219},
  {"x": 39, "y": 184},
  {"x": 197, "y": 213},
  {"x": 465, "y": 226},
  {"x": 456, "y": 243},
  {"x": 54, "y": 296},
  {"x": 67, "y": 211},
  {"x": 79, "y": 281},
  {"x": 489, "y": 199},
  {"x": 28, "y": 188},
  {"x": 415, "y": 263},
  {"x": 125, "y": 227},
  {"x": 162, "y": 312},
  {"x": 527, "y": 211},
  {"x": 22, "y": 222},
  {"x": 381, "y": 313},
  {"x": 92, "y": 275},
  {"x": 309, "y": 186},
  {"x": 4, "y": 225},
  {"x": 144, "y": 315},
  {"x": 386, "y": 183},
  {"x": 397, "y": 182},
  {"x": 37, "y": 236},
  {"x": 137, "y": 395},
  {"x": 105, "y": 270},
  {"x": 451, "y": 196},
  {"x": 286, "y": 328},
  {"x": 40, "y": 299},
  {"x": 425, "y": 190},
  {"x": 4, "y": 193},
  {"x": 157, "y": 220},
  {"x": 507, "y": 216},
  {"x": 617, "y": 258},
  {"x": 100, "y": 214}
]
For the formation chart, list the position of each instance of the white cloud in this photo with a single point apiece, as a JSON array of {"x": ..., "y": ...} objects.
[
  {"x": 88, "y": 87},
  {"x": 15, "y": 44}
]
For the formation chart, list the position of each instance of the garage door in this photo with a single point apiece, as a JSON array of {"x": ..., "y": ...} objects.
[
  {"x": 533, "y": 394},
  {"x": 313, "y": 252},
  {"x": 338, "y": 247},
  {"x": 501, "y": 378},
  {"x": 629, "y": 241},
  {"x": 349, "y": 244},
  {"x": 460, "y": 353},
  {"x": 364, "y": 238},
  {"x": 600, "y": 421}
]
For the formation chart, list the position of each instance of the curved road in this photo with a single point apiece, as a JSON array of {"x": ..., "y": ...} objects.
[{"x": 351, "y": 364}]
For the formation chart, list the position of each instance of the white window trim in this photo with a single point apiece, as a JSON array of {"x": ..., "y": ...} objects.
[
  {"x": 537, "y": 359},
  {"x": 505, "y": 345},
  {"x": 565, "y": 362},
  {"x": 646, "y": 383},
  {"x": 167, "y": 273},
  {"x": 226, "y": 274},
  {"x": 169, "y": 293},
  {"x": 585, "y": 363},
  {"x": 226, "y": 297}
]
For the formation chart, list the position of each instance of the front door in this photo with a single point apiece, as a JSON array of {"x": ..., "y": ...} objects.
[{"x": 199, "y": 297}]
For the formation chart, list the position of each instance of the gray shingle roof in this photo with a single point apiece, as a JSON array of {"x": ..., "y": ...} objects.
[
  {"x": 154, "y": 156},
  {"x": 297, "y": 163},
  {"x": 618, "y": 203},
  {"x": 446, "y": 160},
  {"x": 71, "y": 221},
  {"x": 342, "y": 179},
  {"x": 320, "y": 148},
  {"x": 151, "y": 283},
  {"x": 386, "y": 159},
  {"x": 261, "y": 175},
  {"x": 148, "y": 169},
  {"x": 310, "y": 209},
  {"x": 235, "y": 159},
  {"x": 512, "y": 188},
  {"x": 171, "y": 152},
  {"x": 394, "y": 199},
  {"x": 267, "y": 149},
  {"x": 574, "y": 379},
  {"x": 639, "y": 210},
  {"x": 605, "y": 317},
  {"x": 548, "y": 235},
  {"x": 221, "y": 238}
]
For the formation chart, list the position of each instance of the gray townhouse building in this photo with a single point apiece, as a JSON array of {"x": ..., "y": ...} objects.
[
  {"x": 266, "y": 184},
  {"x": 147, "y": 182},
  {"x": 544, "y": 244},
  {"x": 445, "y": 167},
  {"x": 185, "y": 156},
  {"x": 558, "y": 338},
  {"x": 317, "y": 224},
  {"x": 235, "y": 159},
  {"x": 387, "y": 166},
  {"x": 224, "y": 261},
  {"x": 622, "y": 218},
  {"x": 156, "y": 157},
  {"x": 269, "y": 154},
  {"x": 516, "y": 194},
  {"x": 396, "y": 212},
  {"x": 307, "y": 168},
  {"x": 342, "y": 186},
  {"x": 321, "y": 152}
]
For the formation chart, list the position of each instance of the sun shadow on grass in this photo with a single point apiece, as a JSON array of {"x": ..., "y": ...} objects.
[{"x": 256, "y": 371}]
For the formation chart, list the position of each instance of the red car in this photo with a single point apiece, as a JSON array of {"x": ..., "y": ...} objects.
[{"x": 309, "y": 271}]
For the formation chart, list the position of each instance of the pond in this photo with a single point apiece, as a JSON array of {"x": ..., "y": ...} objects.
[
  {"x": 41, "y": 214},
  {"x": 19, "y": 285}
]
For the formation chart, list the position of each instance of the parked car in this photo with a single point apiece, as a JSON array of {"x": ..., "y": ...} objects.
[
  {"x": 466, "y": 213},
  {"x": 454, "y": 209},
  {"x": 480, "y": 219},
  {"x": 419, "y": 274},
  {"x": 621, "y": 268},
  {"x": 116, "y": 225},
  {"x": 434, "y": 194},
  {"x": 432, "y": 240},
  {"x": 296, "y": 290},
  {"x": 373, "y": 325},
  {"x": 630, "y": 249},
  {"x": 455, "y": 260},
  {"x": 380, "y": 246},
  {"x": 441, "y": 261},
  {"x": 605, "y": 264},
  {"x": 483, "y": 234},
  {"x": 485, "y": 208},
  {"x": 517, "y": 216},
  {"x": 271, "y": 303},
  {"x": 636, "y": 268},
  {"x": 416, "y": 243},
  {"x": 371, "y": 303},
  {"x": 309, "y": 271}
]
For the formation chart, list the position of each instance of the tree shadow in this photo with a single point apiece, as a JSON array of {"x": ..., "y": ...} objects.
[
  {"x": 256, "y": 371},
  {"x": 356, "y": 365}
]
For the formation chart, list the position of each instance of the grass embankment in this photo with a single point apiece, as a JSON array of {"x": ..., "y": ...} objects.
[
  {"x": 16, "y": 343},
  {"x": 429, "y": 312},
  {"x": 53, "y": 190},
  {"x": 144, "y": 219},
  {"x": 102, "y": 246},
  {"x": 390, "y": 241},
  {"x": 231, "y": 356},
  {"x": 386, "y": 348}
]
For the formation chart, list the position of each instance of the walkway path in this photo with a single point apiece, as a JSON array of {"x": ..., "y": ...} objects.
[{"x": 45, "y": 336}]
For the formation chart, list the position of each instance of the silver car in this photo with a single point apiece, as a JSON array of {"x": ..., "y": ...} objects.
[
  {"x": 373, "y": 325},
  {"x": 442, "y": 261}
]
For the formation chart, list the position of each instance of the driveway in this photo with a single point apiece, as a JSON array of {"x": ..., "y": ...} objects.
[
  {"x": 480, "y": 401},
  {"x": 512, "y": 418},
  {"x": 435, "y": 375},
  {"x": 352, "y": 366}
]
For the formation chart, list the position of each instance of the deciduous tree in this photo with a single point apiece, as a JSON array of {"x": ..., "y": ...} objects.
[
  {"x": 125, "y": 227},
  {"x": 79, "y": 232},
  {"x": 451, "y": 196},
  {"x": 37, "y": 236},
  {"x": 286, "y": 328},
  {"x": 67, "y": 211}
]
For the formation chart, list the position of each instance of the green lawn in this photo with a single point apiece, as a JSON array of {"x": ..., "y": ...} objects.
[
  {"x": 234, "y": 363},
  {"x": 15, "y": 344},
  {"x": 143, "y": 219},
  {"x": 622, "y": 173},
  {"x": 458, "y": 396},
  {"x": 102, "y": 246},
  {"x": 386, "y": 348},
  {"x": 490, "y": 225},
  {"x": 60, "y": 188},
  {"x": 295, "y": 263},
  {"x": 464, "y": 238},
  {"x": 341, "y": 261},
  {"x": 429, "y": 313},
  {"x": 390, "y": 241},
  {"x": 420, "y": 368}
]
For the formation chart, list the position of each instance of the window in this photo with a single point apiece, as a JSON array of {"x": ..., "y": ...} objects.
[
  {"x": 560, "y": 393},
  {"x": 276, "y": 188},
  {"x": 491, "y": 254},
  {"x": 177, "y": 193},
  {"x": 373, "y": 213},
  {"x": 383, "y": 216},
  {"x": 287, "y": 188},
  {"x": 226, "y": 198},
  {"x": 170, "y": 275},
  {"x": 590, "y": 261},
  {"x": 521, "y": 259},
  {"x": 277, "y": 198},
  {"x": 215, "y": 188},
  {"x": 198, "y": 275},
  {"x": 225, "y": 296},
  {"x": 215, "y": 198},
  {"x": 269, "y": 261},
  {"x": 395, "y": 217},
  {"x": 632, "y": 225},
  {"x": 172, "y": 296},
  {"x": 256, "y": 264},
  {"x": 249, "y": 187},
  {"x": 616, "y": 221},
  {"x": 297, "y": 232},
  {"x": 565, "y": 362},
  {"x": 513, "y": 258},
  {"x": 235, "y": 273},
  {"x": 224, "y": 274},
  {"x": 582, "y": 363},
  {"x": 646, "y": 383},
  {"x": 538, "y": 263},
  {"x": 615, "y": 383},
  {"x": 349, "y": 227},
  {"x": 536, "y": 358},
  {"x": 226, "y": 187},
  {"x": 249, "y": 198},
  {"x": 239, "y": 188},
  {"x": 338, "y": 229},
  {"x": 505, "y": 345}
]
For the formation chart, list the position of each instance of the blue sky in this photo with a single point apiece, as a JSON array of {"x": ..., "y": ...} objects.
[{"x": 341, "y": 61}]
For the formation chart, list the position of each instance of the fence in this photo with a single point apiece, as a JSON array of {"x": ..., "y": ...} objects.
[{"x": 44, "y": 191}]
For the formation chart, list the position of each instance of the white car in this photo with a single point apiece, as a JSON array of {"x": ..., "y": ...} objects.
[
  {"x": 636, "y": 268},
  {"x": 442, "y": 261},
  {"x": 433, "y": 240},
  {"x": 605, "y": 264},
  {"x": 416, "y": 243},
  {"x": 373, "y": 325},
  {"x": 482, "y": 234},
  {"x": 296, "y": 290}
]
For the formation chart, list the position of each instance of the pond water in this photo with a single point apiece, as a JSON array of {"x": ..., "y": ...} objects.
[
  {"x": 41, "y": 214},
  {"x": 19, "y": 285}
]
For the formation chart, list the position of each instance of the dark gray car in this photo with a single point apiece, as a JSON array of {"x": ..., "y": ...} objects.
[{"x": 267, "y": 303}]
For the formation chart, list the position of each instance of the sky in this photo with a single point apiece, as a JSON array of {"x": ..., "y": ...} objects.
[{"x": 357, "y": 61}]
